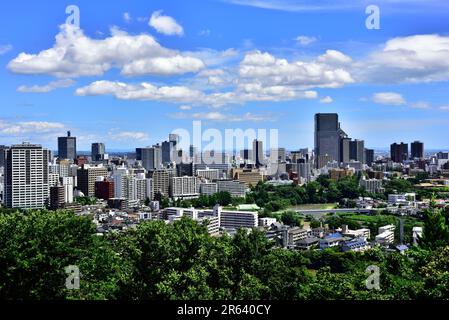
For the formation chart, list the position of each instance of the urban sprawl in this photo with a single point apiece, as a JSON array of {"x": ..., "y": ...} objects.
[{"x": 342, "y": 186}]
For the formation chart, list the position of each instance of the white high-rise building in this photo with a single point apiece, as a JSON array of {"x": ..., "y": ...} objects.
[
  {"x": 183, "y": 186},
  {"x": 26, "y": 176},
  {"x": 141, "y": 187},
  {"x": 67, "y": 183}
]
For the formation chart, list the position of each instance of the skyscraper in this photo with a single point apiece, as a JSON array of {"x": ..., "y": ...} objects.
[
  {"x": 258, "y": 152},
  {"x": 151, "y": 157},
  {"x": 345, "y": 150},
  {"x": 67, "y": 147},
  {"x": 369, "y": 156},
  {"x": 399, "y": 152},
  {"x": 167, "y": 151},
  {"x": 357, "y": 150},
  {"x": 98, "y": 151},
  {"x": 26, "y": 176},
  {"x": 417, "y": 149},
  {"x": 328, "y": 136}
]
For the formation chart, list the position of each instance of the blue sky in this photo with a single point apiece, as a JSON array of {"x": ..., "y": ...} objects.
[{"x": 136, "y": 70}]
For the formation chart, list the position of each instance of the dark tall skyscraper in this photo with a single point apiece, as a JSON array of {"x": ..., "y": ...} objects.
[
  {"x": 258, "y": 152},
  {"x": 399, "y": 152},
  {"x": 98, "y": 151},
  {"x": 168, "y": 148},
  {"x": 328, "y": 136},
  {"x": 369, "y": 156},
  {"x": 357, "y": 150},
  {"x": 417, "y": 149},
  {"x": 345, "y": 150},
  {"x": 67, "y": 147},
  {"x": 151, "y": 157}
]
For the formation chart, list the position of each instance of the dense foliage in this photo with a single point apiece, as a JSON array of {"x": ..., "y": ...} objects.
[{"x": 181, "y": 261}]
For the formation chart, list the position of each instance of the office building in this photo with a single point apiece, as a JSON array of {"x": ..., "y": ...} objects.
[
  {"x": 208, "y": 174},
  {"x": 161, "y": 182},
  {"x": 208, "y": 188},
  {"x": 67, "y": 147},
  {"x": 258, "y": 156},
  {"x": 68, "y": 183},
  {"x": 104, "y": 189},
  {"x": 369, "y": 157},
  {"x": 278, "y": 155},
  {"x": 184, "y": 187},
  {"x": 251, "y": 177},
  {"x": 399, "y": 152},
  {"x": 345, "y": 150},
  {"x": 26, "y": 176},
  {"x": 98, "y": 151},
  {"x": 234, "y": 187},
  {"x": 357, "y": 150},
  {"x": 328, "y": 136},
  {"x": 417, "y": 150},
  {"x": 236, "y": 219},
  {"x": 151, "y": 157},
  {"x": 57, "y": 199},
  {"x": 87, "y": 176}
]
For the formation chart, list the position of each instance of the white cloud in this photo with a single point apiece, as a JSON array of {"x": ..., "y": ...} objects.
[
  {"x": 142, "y": 91},
  {"x": 185, "y": 107},
  {"x": 127, "y": 17},
  {"x": 444, "y": 108},
  {"x": 326, "y": 99},
  {"x": 26, "y": 127},
  {"x": 165, "y": 24},
  {"x": 389, "y": 98},
  {"x": 412, "y": 59},
  {"x": 219, "y": 116},
  {"x": 128, "y": 135},
  {"x": 324, "y": 72},
  {"x": 420, "y": 105},
  {"x": 75, "y": 55},
  {"x": 305, "y": 40},
  {"x": 53, "y": 85},
  {"x": 163, "y": 66},
  {"x": 5, "y": 48},
  {"x": 181, "y": 94}
]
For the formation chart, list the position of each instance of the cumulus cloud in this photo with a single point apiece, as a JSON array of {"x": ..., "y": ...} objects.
[
  {"x": 324, "y": 72},
  {"x": 183, "y": 94},
  {"x": 141, "y": 91},
  {"x": 412, "y": 59},
  {"x": 326, "y": 99},
  {"x": 389, "y": 98},
  {"x": 75, "y": 55},
  {"x": 20, "y": 128},
  {"x": 165, "y": 24},
  {"x": 53, "y": 85},
  {"x": 305, "y": 40}
]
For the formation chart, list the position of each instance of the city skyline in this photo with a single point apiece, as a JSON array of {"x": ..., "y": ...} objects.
[{"x": 195, "y": 66}]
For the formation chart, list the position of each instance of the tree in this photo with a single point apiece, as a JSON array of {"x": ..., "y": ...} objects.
[
  {"x": 36, "y": 247},
  {"x": 436, "y": 231},
  {"x": 291, "y": 218}
]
